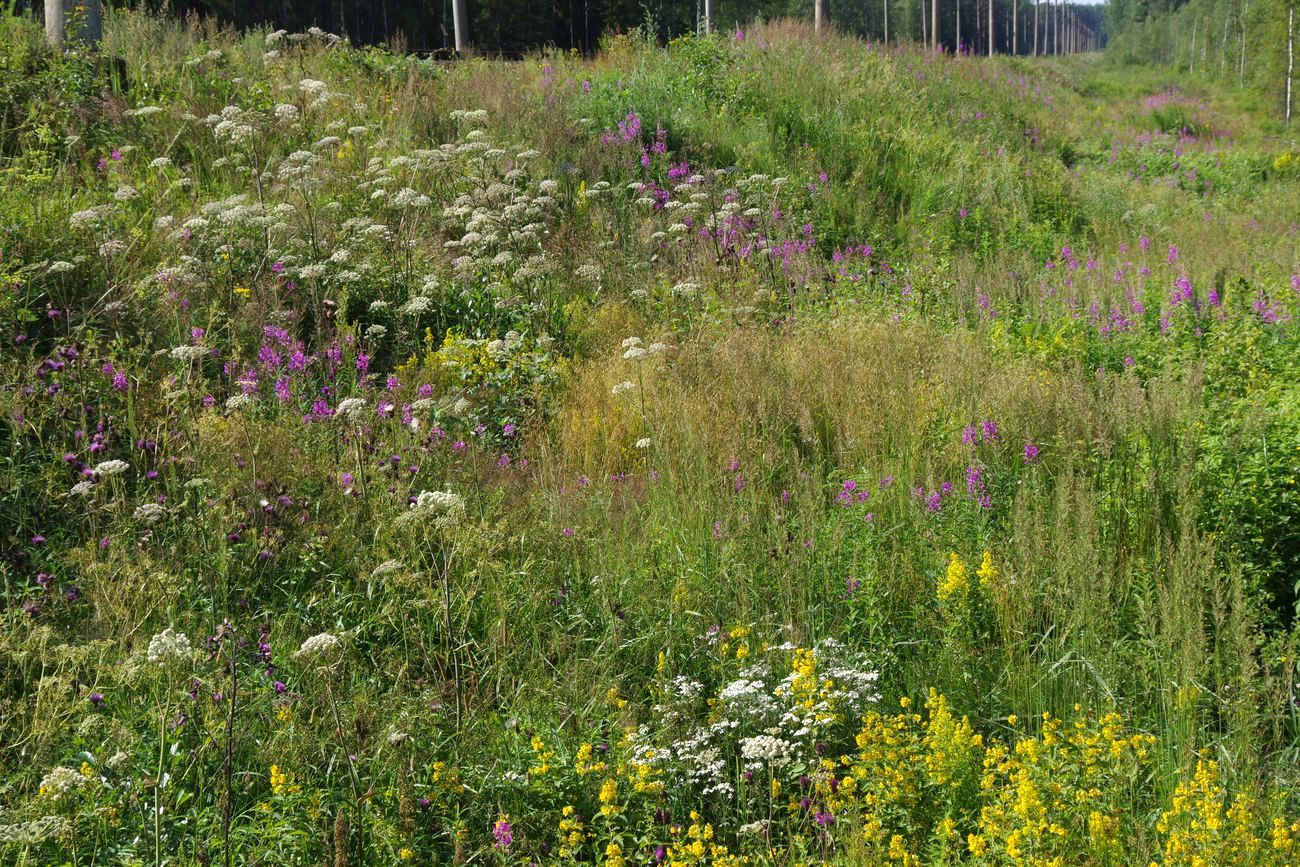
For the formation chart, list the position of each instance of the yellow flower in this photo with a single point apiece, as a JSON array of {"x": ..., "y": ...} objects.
[
  {"x": 406, "y": 854},
  {"x": 955, "y": 580},
  {"x": 609, "y": 798},
  {"x": 242, "y": 291},
  {"x": 987, "y": 571},
  {"x": 977, "y": 844}
]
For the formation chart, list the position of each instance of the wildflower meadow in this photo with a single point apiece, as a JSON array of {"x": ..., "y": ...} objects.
[{"x": 768, "y": 447}]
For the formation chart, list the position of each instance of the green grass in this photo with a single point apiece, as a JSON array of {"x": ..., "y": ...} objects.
[{"x": 1065, "y": 359}]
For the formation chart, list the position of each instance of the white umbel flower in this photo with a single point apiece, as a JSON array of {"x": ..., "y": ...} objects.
[
  {"x": 321, "y": 646},
  {"x": 61, "y": 781},
  {"x": 168, "y": 645},
  {"x": 111, "y": 468},
  {"x": 149, "y": 513},
  {"x": 352, "y": 409}
]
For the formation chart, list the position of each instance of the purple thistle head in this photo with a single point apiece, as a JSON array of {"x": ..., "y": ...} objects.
[{"x": 1031, "y": 453}]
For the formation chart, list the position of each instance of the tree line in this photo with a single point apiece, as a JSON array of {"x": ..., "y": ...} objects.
[
  {"x": 1247, "y": 43},
  {"x": 511, "y": 28}
]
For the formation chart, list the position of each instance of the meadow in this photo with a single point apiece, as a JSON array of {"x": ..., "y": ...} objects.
[{"x": 766, "y": 448}]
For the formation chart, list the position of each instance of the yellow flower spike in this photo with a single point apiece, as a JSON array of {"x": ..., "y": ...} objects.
[
  {"x": 955, "y": 580},
  {"x": 987, "y": 571}
]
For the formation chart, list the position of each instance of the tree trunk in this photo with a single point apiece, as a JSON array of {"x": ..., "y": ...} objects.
[
  {"x": 819, "y": 15},
  {"x": 886, "y": 4},
  {"x": 1035, "y": 28},
  {"x": 925, "y": 31},
  {"x": 708, "y": 16},
  {"x": 1015, "y": 27},
  {"x": 56, "y": 21},
  {"x": 957, "y": 3},
  {"x": 934, "y": 24},
  {"x": 990, "y": 28},
  {"x": 1245, "y": 13},
  {"x": 1290, "y": 57},
  {"x": 460, "y": 23}
]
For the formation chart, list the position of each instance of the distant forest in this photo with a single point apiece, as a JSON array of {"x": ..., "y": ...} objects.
[{"x": 512, "y": 27}]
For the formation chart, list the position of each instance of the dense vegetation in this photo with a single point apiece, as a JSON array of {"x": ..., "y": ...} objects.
[{"x": 760, "y": 449}]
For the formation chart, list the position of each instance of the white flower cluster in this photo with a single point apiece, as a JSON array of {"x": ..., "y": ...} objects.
[
  {"x": 111, "y": 468},
  {"x": 168, "y": 645},
  {"x": 149, "y": 513},
  {"x": 188, "y": 353},
  {"x": 60, "y": 782},
  {"x": 766, "y": 750},
  {"x": 321, "y": 646},
  {"x": 36, "y": 831},
  {"x": 351, "y": 410}
]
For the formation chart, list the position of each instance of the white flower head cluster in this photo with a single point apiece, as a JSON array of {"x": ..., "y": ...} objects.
[
  {"x": 168, "y": 645},
  {"x": 111, "y": 468},
  {"x": 443, "y": 508},
  {"x": 149, "y": 513},
  {"x": 60, "y": 782},
  {"x": 766, "y": 750},
  {"x": 237, "y": 402},
  {"x": 351, "y": 410},
  {"x": 643, "y": 443},
  {"x": 623, "y": 387},
  {"x": 321, "y": 647},
  {"x": 36, "y": 831},
  {"x": 188, "y": 353}
]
